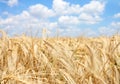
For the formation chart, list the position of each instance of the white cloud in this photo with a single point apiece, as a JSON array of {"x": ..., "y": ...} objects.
[
  {"x": 79, "y": 32},
  {"x": 68, "y": 20},
  {"x": 63, "y": 7},
  {"x": 53, "y": 25},
  {"x": 93, "y": 8},
  {"x": 117, "y": 15},
  {"x": 89, "y": 19},
  {"x": 107, "y": 31},
  {"x": 88, "y": 13},
  {"x": 115, "y": 25},
  {"x": 25, "y": 22},
  {"x": 66, "y": 17},
  {"x": 5, "y": 13},
  {"x": 40, "y": 11},
  {"x": 110, "y": 29},
  {"x": 60, "y": 6},
  {"x": 10, "y": 3}
]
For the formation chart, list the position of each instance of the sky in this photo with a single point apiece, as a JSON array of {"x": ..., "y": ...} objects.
[{"x": 60, "y": 17}]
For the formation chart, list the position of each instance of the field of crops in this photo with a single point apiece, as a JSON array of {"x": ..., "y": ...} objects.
[{"x": 80, "y": 60}]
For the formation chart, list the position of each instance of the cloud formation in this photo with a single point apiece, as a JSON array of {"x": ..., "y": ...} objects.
[
  {"x": 112, "y": 28},
  {"x": 117, "y": 15},
  {"x": 40, "y": 11},
  {"x": 63, "y": 16},
  {"x": 10, "y": 3}
]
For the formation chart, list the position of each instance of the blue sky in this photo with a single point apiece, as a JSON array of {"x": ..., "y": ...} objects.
[{"x": 68, "y": 17}]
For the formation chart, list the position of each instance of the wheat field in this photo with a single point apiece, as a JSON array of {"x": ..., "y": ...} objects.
[{"x": 61, "y": 60}]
